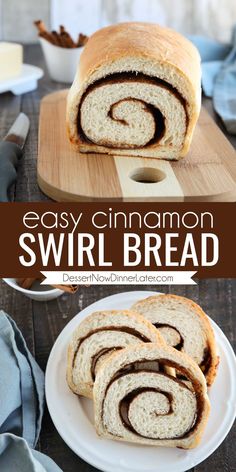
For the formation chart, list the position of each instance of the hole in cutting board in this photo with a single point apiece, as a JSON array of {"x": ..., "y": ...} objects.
[{"x": 147, "y": 175}]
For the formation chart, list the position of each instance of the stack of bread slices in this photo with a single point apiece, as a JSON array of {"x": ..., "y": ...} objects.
[{"x": 147, "y": 370}]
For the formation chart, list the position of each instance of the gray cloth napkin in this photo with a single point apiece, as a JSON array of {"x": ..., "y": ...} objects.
[
  {"x": 16, "y": 456},
  {"x": 22, "y": 401},
  {"x": 219, "y": 76}
]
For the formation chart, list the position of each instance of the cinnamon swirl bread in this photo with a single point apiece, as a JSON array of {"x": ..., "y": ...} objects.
[
  {"x": 96, "y": 337},
  {"x": 137, "y": 92},
  {"x": 143, "y": 404},
  {"x": 185, "y": 326}
]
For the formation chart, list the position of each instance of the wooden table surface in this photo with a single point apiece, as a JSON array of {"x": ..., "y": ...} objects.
[
  {"x": 26, "y": 188},
  {"x": 41, "y": 323}
]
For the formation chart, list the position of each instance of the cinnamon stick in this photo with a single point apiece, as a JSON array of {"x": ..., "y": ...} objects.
[
  {"x": 43, "y": 33},
  {"x": 57, "y": 38},
  {"x": 28, "y": 282},
  {"x": 62, "y": 29},
  {"x": 82, "y": 40},
  {"x": 62, "y": 38},
  {"x": 67, "y": 40},
  {"x": 40, "y": 26}
]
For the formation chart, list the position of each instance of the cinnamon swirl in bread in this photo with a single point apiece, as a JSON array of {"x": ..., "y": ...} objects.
[
  {"x": 143, "y": 404},
  {"x": 185, "y": 326},
  {"x": 137, "y": 92},
  {"x": 96, "y": 337}
]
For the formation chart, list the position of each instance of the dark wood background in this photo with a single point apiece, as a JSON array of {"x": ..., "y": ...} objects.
[
  {"x": 26, "y": 188},
  {"x": 41, "y": 323}
]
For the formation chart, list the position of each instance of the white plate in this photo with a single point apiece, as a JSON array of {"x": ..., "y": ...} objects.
[
  {"x": 27, "y": 81},
  {"x": 73, "y": 416}
]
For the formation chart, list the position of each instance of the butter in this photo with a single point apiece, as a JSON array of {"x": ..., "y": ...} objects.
[{"x": 11, "y": 58}]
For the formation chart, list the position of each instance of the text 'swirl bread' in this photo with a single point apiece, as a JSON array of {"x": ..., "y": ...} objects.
[
  {"x": 97, "y": 337},
  {"x": 185, "y": 326},
  {"x": 136, "y": 93},
  {"x": 145, "y": 405}
]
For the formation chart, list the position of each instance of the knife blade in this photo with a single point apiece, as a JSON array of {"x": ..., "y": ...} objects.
[{"x": 11, "y": 150}]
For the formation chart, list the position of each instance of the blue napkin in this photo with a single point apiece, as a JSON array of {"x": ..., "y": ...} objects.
[
  {"x": 22, "y": 401},
  {"x": 16, "y": 456},
  {"x": 21, "y": 385},
  {"x": 219, "y": 76}
]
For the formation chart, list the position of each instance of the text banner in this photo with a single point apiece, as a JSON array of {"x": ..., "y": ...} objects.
[
  {"x": 96, "y": 237},
  {"x": 119, "y": 278}
]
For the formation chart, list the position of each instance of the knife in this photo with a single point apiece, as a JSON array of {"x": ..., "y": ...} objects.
[{"x": 11, "y": 150}]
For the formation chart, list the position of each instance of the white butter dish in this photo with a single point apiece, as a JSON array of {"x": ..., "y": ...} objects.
[{"x": 27, "y": 81}]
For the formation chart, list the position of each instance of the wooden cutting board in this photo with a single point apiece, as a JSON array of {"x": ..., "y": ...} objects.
[{"x": 208, "y": 173}]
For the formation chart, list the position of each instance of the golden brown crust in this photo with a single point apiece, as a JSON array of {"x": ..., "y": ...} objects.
[{"x": 144, "y": 40}]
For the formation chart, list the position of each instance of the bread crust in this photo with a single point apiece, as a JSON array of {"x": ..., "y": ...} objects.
[
  {"x": 212, "y": 371},
  {"x": 143, "y": 40},
  {"x": 109, "y": 48}
]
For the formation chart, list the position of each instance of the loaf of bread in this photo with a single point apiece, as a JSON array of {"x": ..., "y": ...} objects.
[
  {"x": 137, "y": 92},
  {"x": 96, "y": 337},
  {"x": 185, "y": 326},
  {"x": 138, "y": 403}
]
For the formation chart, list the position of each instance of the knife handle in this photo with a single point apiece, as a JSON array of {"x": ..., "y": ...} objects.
[{"x": 10, "y": 153}]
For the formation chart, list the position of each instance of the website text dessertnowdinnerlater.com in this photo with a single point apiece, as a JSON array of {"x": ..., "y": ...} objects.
[{"x": 147, "y": 239}]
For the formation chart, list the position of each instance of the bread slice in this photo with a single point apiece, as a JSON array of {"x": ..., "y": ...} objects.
[
  {"x": 137, "y": 92},
  {"x": 96, "y": 337},
  {"x": 143, "y": 404},
  {"x": 185, "y": 326}
]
